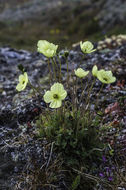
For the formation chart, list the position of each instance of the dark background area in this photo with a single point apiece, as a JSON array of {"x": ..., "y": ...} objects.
[{"x": 24, "y": 22}]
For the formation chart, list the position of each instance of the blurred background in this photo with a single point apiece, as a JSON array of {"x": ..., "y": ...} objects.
[{"x": 24, "y": 22}]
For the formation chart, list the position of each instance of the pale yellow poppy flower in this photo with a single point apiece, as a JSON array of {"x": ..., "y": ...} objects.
[
  {"x": 46, "y": 48},
  {"x": 23, "y": 80},
  {"x": 81, "y": 73},
  {"x": 55, "y": 95},
  {"x": 105, "y": 76},
  {"x": 87, "y": 47},
  {"x": 94, "y": 71}
]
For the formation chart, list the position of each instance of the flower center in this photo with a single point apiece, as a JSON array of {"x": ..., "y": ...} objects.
[
  {"x": 104, "y": 78},
  {"x": 55, "y": 96},
  {"x": 23, "y": 81}
]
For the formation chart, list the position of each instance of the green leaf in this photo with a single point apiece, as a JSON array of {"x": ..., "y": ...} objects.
[{"x": 75, "y": 183}]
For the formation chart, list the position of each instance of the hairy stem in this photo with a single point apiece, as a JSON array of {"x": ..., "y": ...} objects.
[
  {"x": 50, "y": 76},
  {"x": 60, "y": 74},
  {"x": 34, "y": 88},
  {"x": 53, "y": 64}
]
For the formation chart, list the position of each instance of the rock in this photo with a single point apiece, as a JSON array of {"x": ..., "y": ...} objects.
[
  {"x": 54, "y": 20},
  {"x": 21, "y": 151},
  {"x": 112, "y": 13}
]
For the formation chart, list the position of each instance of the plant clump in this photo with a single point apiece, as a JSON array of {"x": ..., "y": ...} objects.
[{"x": 68, "y": 121}]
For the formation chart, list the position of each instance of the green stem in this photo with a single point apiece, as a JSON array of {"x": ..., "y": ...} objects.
[
  {"x": 81, "y": 61},
  {"x": 34, "y": 88},
  {"x": 83, "y": 91},
  {"x": 89, "y": 92},
  {"x": 60, "y": 67},
  {"x": 99, "y": 94},
  {"x": 72, "y": 93},
  {"x": 49, "y": 72},
  {"x": 76, "y": 99},
  {"x": 67, "y": 72},
  {"x": 53, "y": 64},
  {"x": 57, "y": 68}
]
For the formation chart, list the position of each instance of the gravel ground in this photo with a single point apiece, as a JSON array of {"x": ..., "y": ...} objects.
[{"x": 21, "y": 151}]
